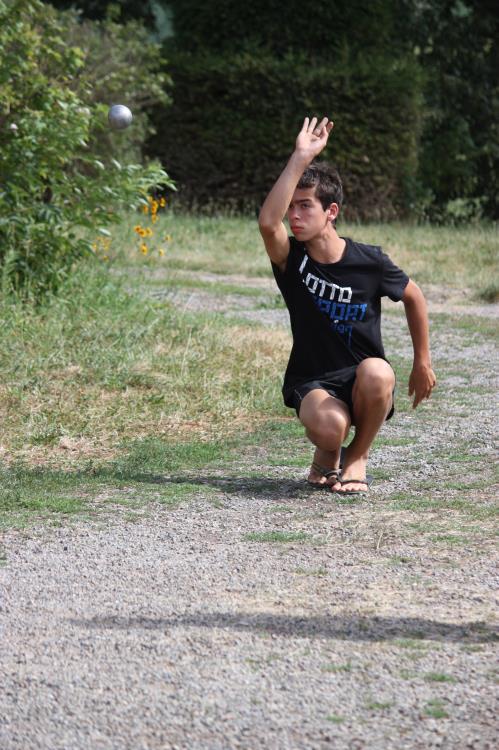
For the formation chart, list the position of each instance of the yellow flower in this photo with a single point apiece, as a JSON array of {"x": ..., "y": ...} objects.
[
  {"x": 145, "y": 209},
  {"x": 137, "y": 229},
  {"x": 149, "y": 232},
  {"x": 162, "y": 202},
  {"x": 168, "y": 238},
  {"x": 161, "y": 251},
  {"x": 143, "y": 248},
  {"x": 154, "y": 206},
  {"x": 154, "y": 218},
  {"x": 150, "y": 198}
]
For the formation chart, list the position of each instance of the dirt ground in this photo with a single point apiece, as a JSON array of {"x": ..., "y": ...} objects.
[{"x": 258, "y": 613}]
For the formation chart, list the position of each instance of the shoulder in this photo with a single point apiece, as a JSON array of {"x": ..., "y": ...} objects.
[{"x": 365, "y": 251}]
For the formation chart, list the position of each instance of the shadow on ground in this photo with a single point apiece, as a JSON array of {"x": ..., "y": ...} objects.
[
  {"x": 339, "y": 627},
  {"x": 240, "y": 485}
]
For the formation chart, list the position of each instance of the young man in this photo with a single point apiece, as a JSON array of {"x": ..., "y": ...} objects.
[{"x": 337, "y": 375}]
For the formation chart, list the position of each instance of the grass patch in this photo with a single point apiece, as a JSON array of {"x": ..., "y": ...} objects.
[
  {"x": 450, "y": 539},
  {"x": 142, "y": 474},
  {"x": 408, "y": 674},
  {"x": 347, "y": 667},
  {"x": 489, "y": 292},
  {"x": 399, "y": 560},
  {"x": 410, "y": 643},
  {"x": 280, "y": 509},
  {"x": 277, "y": 537},
  {"x": 438, "y": 677},
  {"x": 154, "y": 455},
  {"x": 314, "y": 572},
  {"x": 99, "y": 365},
  {"x": 335, "y": 718},
  {"x": 379, "y": 705},
  {"x": 435, "y": 709}
]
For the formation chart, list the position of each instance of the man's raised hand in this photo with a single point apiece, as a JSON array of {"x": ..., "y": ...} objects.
[{"x": 313, "y": 136}]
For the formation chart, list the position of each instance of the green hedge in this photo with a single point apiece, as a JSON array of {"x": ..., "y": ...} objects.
[
  {"x": 234, "y": 120},
  {"x": 320, "y": 30}
]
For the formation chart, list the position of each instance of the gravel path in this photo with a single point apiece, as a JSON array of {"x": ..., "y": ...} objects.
[{"x": 180, "y": 631}]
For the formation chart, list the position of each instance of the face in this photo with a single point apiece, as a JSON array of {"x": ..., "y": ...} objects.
[{"x": 307, "y": 219}]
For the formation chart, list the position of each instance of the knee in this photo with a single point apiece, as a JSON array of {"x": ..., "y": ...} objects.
[
  {"x": 327, "y": 428},
  {"x": 375, "y": 377}
]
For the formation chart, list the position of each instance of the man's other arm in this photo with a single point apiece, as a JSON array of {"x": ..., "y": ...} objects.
[{"x": 422, "y": 379}]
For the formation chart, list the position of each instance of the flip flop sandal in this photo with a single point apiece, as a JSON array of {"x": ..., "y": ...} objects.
[
  {"x": 325, "y": 472},
  {"x": 367, "y": 481}
]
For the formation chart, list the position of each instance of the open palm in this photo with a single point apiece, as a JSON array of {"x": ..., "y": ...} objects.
[{"x": 313, "y": 136}]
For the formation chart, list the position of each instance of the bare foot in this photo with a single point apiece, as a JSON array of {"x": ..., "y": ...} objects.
[
  {"x": 324, "y": 462},
  {"x": 353, "y": 469}
]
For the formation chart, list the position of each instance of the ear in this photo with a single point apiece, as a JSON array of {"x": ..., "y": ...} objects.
[{"x": 333, "y": 211}]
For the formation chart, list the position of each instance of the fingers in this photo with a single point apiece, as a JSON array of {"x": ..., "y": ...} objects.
[
  {"x": 421, "y": 385},
  {"x": 318, "y": 128},
  {"x": 421, "y": 393},
  {"x": 305, "y": 125},
  {"x": 322, "y": 126}
]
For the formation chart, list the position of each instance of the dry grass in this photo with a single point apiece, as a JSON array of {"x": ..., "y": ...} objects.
[
  {"x": 465, "y": 257},
  {"x": 99, "y": 367}
]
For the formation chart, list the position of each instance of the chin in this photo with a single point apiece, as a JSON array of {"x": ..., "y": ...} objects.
[{"x": 301, "y": 235}]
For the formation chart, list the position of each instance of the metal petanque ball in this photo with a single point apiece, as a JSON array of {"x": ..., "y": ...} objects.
[{"x": 119, "y": 117}]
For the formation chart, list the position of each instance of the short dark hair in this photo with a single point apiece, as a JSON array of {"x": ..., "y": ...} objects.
[{"x": 326, "y": 181}]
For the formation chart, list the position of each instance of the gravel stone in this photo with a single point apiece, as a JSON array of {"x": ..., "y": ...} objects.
[{"x": 174, "y": 632}]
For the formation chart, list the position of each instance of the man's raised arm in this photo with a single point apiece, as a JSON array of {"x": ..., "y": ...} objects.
[{"x": 311, "y": 140}]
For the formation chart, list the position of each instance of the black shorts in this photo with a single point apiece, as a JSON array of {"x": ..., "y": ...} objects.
[{"x": 338, "y": 384}]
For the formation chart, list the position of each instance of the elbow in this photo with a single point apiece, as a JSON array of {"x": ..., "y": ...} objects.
[
  {"x": 267, "y": 223},
  {"x": 264, "y": 223},
  {"x": 266, "y": 227}
]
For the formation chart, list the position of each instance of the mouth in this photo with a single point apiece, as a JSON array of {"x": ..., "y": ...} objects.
[{"x": 296, "y": 228}]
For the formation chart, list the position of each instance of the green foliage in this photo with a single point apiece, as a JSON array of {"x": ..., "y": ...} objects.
[
  {"x": 52, "y": 187},
  {"x": 234, "y": 119},
  {"x": 122, "y": 66},
  {"x": 124, "y": 10},
  {"x": 457, "y": 45},
  {"x": 225, "y": 26},
  {"x": 454, "y": 137}
]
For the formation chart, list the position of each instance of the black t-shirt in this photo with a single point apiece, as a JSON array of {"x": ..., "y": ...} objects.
[{"x": 335, "y": 309}]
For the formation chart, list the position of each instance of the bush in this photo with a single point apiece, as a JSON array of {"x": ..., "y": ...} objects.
[
  {"x": 122, "y": 66},
  {"x": 52, "y": 187},
  {"x": 234, "y": 120}
]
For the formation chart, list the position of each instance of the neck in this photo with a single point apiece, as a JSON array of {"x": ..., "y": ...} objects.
[{"x": 327, "y": 247}]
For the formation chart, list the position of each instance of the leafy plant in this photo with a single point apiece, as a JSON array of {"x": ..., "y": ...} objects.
[{"x": 53, "y": 189}]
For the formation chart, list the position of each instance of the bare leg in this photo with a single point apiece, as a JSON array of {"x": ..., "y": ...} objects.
[
  {"x": 372, "y": 400},
  {"x": 327, "y": 422}
]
